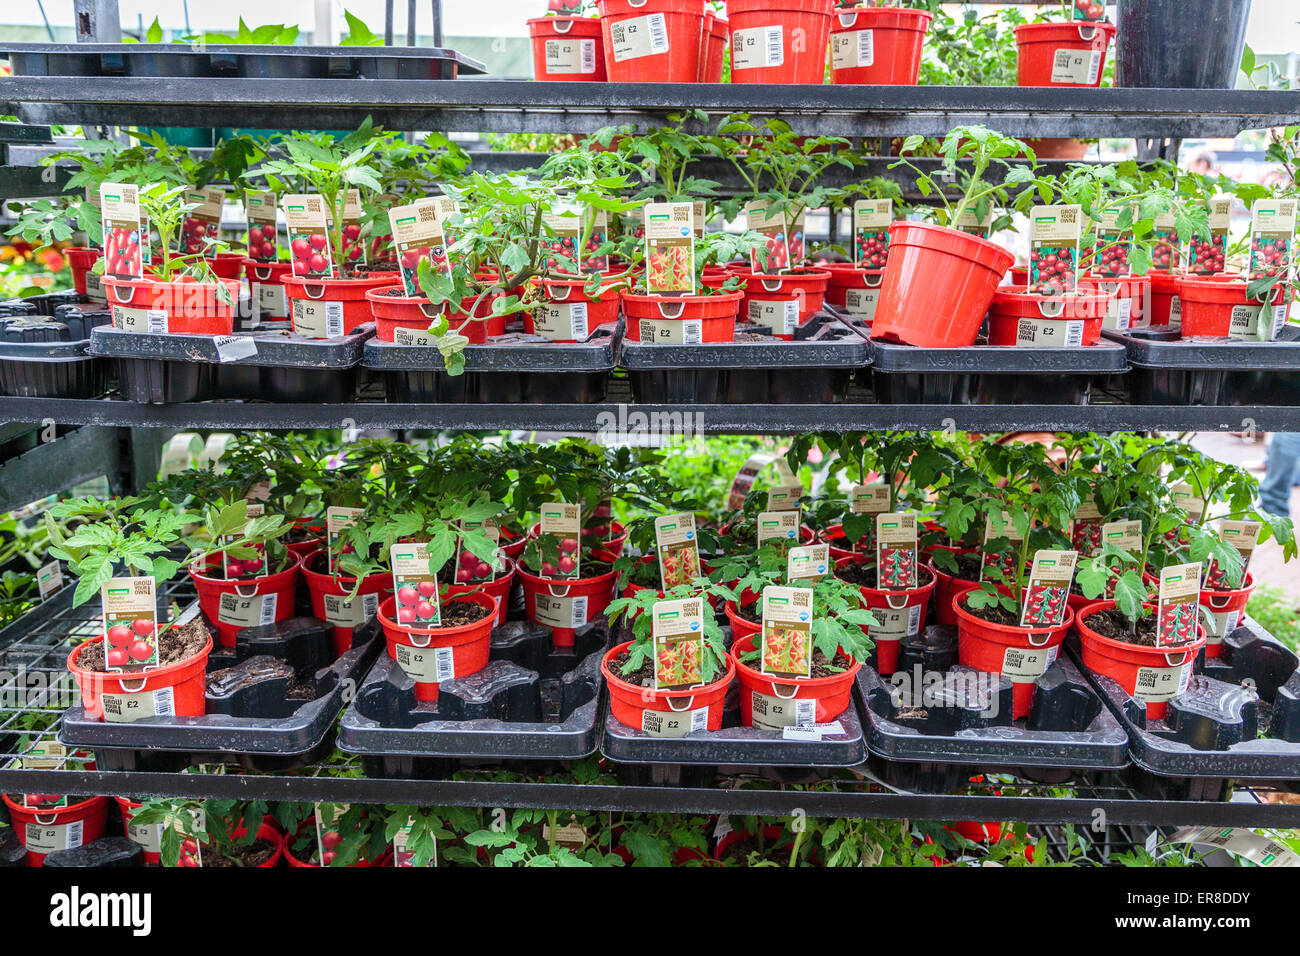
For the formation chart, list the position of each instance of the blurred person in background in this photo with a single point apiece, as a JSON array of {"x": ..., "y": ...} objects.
[{"x": 1280, "y": 474}]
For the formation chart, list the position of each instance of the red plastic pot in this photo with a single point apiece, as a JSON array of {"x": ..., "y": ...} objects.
[
  {"x": 891, "y": 55},
  {"x": 766, "y": 295},
  {"x": 266, "y": 286},
  {"x": 946, "y": 587},
  {"x": 1069, "y": 316},
  {"x": 771, "y": 834},
  {"x": 911, "y": 602},
  {"x": 81, "y": 261},
  {"x": 1226, "y": 603},
  {"x": 740, "y": 627},
  {"x": 669, "y": 48},
  {"x": 347, "y": 295},
  {"x": 304, "y": 548},
  {"x": 598, "y": 590},
  {"x": 92, "y": 814},
  {"x": 983, "y": 645},
  {"x": 469, "y": 643},
  {"x": 835, "y": 533},
  {"x": 1122, "y": 661},
  {"x": 498, "y": 588},
  {"x": 266, "y": 830},
  {"x": 283, "y": 584},
  {"x": 392, "y": 312},
  {"x": 711, "y": 318},
  {"x": 832, "y": 695},
  {"x": 128, "y": 808},
  {"x": 715, "y": 46},
  {"x": 1166, "y": 308},
  {"x": 320, "y": 584},
  {"x": 227, "y": 265},
  {"x": 779, "y": 41},
  {"x": 580, "y": 46},
  {"x": 855, "y": 290},
  {"x": 629, "y": 702},
  {"x": 385, "y": 859},
  {"x": 190, "y": 306},
  {"x": 1208, "y": 303},
  {"x": 938, "y": 285},
  {"x": 1040, "y": 43},
  {"x": 1130, "y": 300},
  {"x": 512, "y": 549},
  {"x": 601, "y": 308},
  {"x": 184, "y": 682}
]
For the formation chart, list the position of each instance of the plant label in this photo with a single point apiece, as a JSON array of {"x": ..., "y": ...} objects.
[
  {"x": 415, "y": 586},
  {"x": 684, "y": 332},
  {"x": 1166, "y": 250},
  {"x": 805, "y": 565},
  {"x": 1054, "y": 237},
  {"x": 403, "y": 855},
  {"x": 1110, "y": 251},
  {"x": 49, "y": 579},
  {"x": 972, "y": 223},
  {"x": 678, "y": 549},
  {"x": 670, "y": 248},
  {"x": 782, "y": 526},
  {"x": 896, "y": 552},
  {"x": 1185, "y": 497},
  {"x": 562, "y": 321},
  {"x": 327, "y": 830},
  {"x": 638, "y": 37},
  {"x": 560, "y": 611},
  {"x": 260, "y": 216},
  {"x": 1177, "y": 604},
  {"x": 577, "y": 234},
  {"x": 470, "y": 568},
  {"x": 130, "y": 617},
  {"x": 1272, "y": 233},
  {"x": 242, "y": 569},
  {"x": 91, "y": 194},
  {"x": 859, "y": 524},
  {"x": 1085, "y": 529},
  {"x": 776, "y": 254},
  {"x": 1090, "y": 11},
  {"x": 341, "y": 611},
  {"x": 418, "y": 237},
  {"x": 757, "y": 48},
  {"x": 191, "y": 826},
  {"x": 561, "y": 532},
  {"x": 1242, "y": 535},
  {"x": 354, "y": 246},
  {"x": 784, "y": 497},
  {"x": 700, "y": 210},
  {"x": 1206, "y": 256},
  {"x": 308, "y": 233},
  {"x": 202, "y": 225},
  {"x": 565, "y": 7},
  {"x": 871, "y": 219},
  {"x": 677, "y": 630},
  {"x": 1001, "y": 527},
  {"x": 1047, "y": 593},
  {"x": 125, "y": 236},
  {"x": 787, "y": 650},
  {"x": 1125, "y": 535},
  {"x": 337, "y": 520}
]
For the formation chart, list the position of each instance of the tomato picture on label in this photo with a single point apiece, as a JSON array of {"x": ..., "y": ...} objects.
[
  {"x": 1206, "y": 256},
  {"x": 310, "y": 254},
  {"x": 1109, "y": 258},
  {"x": 1270, "y": 258},
  {"x": 261, "y": 242},
  {"x": 123, "y": 255},
  {"x": 1092, "y": 10},
  {"x": 873, "y": 248},
  {"x": 670, "y": 269},
  {"x": 1052, "y": 270}
]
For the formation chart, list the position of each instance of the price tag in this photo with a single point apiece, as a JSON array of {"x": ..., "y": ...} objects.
[
  {"x": 254, "y": 611},
  {"x": 233, "y": 348},
  {"x": 425, "y": 665},
  {"x": 127, "y": 708},
  {"x": 638, "y": 37},
  {"x": 670, "y": 723},
  {"x": 317, "y": 319}
]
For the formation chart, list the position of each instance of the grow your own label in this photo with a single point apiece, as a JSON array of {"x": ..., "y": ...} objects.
[
  {"x": 1242, "y": 535},
  {"x": 148, "y": 321},
  {"x": 1176, "y": 606},
  {"x": 130, "y": 619},
  {"x": 805, "y": 565},
  {"x": 202, "y": 222},
  {"x": 418, "y": 237},
  {"x": 254, "y": 611},
  {"x": 674, "y": 723},
  {"x": 677, "y": 633},
  {"x": 568, "y": 612},
  {"x": 425, "y": 665},
  {"x": 1155, "y": 684},
  {"x": 869, "y": 499},
  {"x": 336, "y": 520},
  {"x": 561, "y": 321},
  {"x": 1255, "y": 847},
  {"x": 669, "y": 250},
  {"x": 1077, "y": 67},
  {"x": 48, "y": 839},
  {"x": 308, "y": 229},
  {"x": 1185, "y": 497},
  {"x": 1206, "y": 256},
  {"x": 341, "y": 612},
  {"x": 1049, "y": 333},
  {"x": 1272, "y": 234},
  {"x": 272, "y": 303},
  {"x": 780, "y": 314},
  {"x": 871, "y": 219},
  {"x": 972, "y": 223},
  {"x": 672, "y": 332},
  {"x": 896, "y": 550},
  {"x": 776, "y": 713},
  {"x": 95, "y": 287},
  {"x": 561, "y": 529},
  {"x": 259, "y": 215},
  {"x": 757, "y": 47},
  {"x": 784, "y": 497},
  {"x": 127, "y": 708},
  {"x": 895, "y": 624},
  {"x": 318, "y": 319},
  {"x": 470, "y": 568},
  {"x": 576, "y": 233},
  {"x": 777, "y": 526},
  {"x": 778, "y": 249},
  {"x": 1024, "y": 665},
  {"x": 786, "y": 650},
  {"x": 636, "y": 37},
  {"x": 124, "y": 235},
  {"x": 677, "y": 548},
  {"x": 415, "y": 586},
  {"x": 402, "y": 856},
  {"x": 1054, "y": 249},
  {"x": 571, "y": 56}
]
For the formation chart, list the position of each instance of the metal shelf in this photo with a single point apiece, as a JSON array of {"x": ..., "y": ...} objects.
[
  {"x": 708, "y": 419},
  {"x": 493, "y": 105}
]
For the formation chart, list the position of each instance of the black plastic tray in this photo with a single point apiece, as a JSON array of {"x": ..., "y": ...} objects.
[
  {"x": 51, "y": 370},
  {"x": 1170, "y": 370},
  {"x": 164, "y": 368},
  {"x": 491, "y": 715},
  {"x": 511, "y": 368},
  {"x": 257, "y": 743},
  {"x": 1210, "y": 734},
  {"x": 239, "y": 60},
  {"x": 1068, "y": 727},
  {"x": 990, "y": 374},
  {"x": 44, "y": 304},
  {"x": 814, "y": 368}
]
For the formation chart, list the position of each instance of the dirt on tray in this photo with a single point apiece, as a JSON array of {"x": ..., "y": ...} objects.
[{"x": 176, "y": 644}]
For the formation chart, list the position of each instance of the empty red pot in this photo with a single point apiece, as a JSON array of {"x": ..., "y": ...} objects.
[
  {"x": 1062, "y": 54},
  {"x": 80, "y": 262},
  {"x": 1166, "y": 308},
  {"x": 652, "y": 41},
  {"x": 266, "y": 286},
  {"x": 567, "y": 49},
  {"x": 779, "y": 41},
  {"x": 938, "y": 285},
  {"x": 878, "y": 45}
]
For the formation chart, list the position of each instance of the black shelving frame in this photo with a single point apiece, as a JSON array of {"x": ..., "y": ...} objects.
[{"x": 1155, "y": 117}]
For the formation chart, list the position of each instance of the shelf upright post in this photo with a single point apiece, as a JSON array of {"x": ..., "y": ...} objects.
[
  {"x": 437, "y": 22},
  {"x": 97, "y": 21}
]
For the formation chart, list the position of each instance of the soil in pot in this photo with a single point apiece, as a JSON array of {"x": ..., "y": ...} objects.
[
  {"x": 994, "y": 615},
  {"x": 1114, "y": 625},
  {"x": 860, "y": 573},
  {"x": 254, "y": 855},
  {"x": 175, "y": 644},
  {"x": 459, "y": 613}
]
